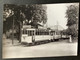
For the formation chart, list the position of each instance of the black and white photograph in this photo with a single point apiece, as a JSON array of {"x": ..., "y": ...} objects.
[{"x": 40, "y": 30}]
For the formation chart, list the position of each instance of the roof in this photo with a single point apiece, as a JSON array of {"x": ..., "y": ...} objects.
[{"x": 57, "y": 27}]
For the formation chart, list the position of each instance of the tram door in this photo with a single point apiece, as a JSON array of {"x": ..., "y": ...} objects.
[{"x": 52, "y": 34}]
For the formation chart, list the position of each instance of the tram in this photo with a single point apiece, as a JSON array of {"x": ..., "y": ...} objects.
[{"x": 32, "y": 35}]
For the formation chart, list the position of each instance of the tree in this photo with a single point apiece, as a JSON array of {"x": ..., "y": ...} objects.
[
  {"x": 72, "y": 15},
  {"x": 13, "y": 16}
]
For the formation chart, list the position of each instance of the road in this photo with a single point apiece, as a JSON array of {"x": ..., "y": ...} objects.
[{"x": 52, "y": 49}]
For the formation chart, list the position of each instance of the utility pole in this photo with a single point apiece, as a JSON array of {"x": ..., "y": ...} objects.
[
  {"x": 47, "y": 25},
  {"x": 13, "y": 31},
  {"x": 57, "y": 25}
]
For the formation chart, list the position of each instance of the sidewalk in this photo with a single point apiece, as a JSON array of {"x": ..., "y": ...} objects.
[{"x": 8, "y": 42}]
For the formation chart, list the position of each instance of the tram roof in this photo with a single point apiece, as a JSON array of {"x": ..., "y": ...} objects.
[
  {"x": 39, "y": 29},
  {"x": 29, "y": 29}
]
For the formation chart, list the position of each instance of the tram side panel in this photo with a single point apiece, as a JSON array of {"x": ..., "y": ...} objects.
[
  {"x": 42, "y": 37},
  {"x": 57, "y": 36},
  {"x": 26, "y": 39}
]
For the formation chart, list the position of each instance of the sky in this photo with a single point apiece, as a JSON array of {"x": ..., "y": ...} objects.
[{"x": 56, "y": 14}]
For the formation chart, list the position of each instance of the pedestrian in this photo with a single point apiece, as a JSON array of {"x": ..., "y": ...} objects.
[{"x": 70, "y": 39}]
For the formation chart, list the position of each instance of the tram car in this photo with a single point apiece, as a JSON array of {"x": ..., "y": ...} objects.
[{"x": 32, "y": 35}]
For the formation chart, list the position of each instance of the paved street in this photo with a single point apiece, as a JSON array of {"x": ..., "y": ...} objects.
[{"x": 58, "y": 48}]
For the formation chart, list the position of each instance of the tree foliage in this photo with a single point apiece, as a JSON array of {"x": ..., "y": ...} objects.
[
  {"x": 72, "y": 15},
  {"x": 34, "y": 14},
  {"x": 12, "y": 12}
]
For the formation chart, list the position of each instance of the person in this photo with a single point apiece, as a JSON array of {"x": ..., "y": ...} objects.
[
  {"x": 70, "y": 39},
  {"x": 7, "y": 34}
]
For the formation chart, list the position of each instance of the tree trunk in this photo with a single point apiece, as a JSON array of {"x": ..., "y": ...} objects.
[{"x": 20, "y": 32}]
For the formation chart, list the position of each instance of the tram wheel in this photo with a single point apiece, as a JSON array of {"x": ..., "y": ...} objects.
[
  {"x": 33, "y": 43},
  {"x": 27, "y": 44},
  {"x": 51, "y": 40},
  {"x": 42, "y": 42},
  {"x": 47, "y": 41},
  {"x": 38, "y": 43}
]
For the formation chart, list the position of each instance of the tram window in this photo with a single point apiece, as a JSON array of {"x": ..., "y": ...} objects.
[
  {"x": 47, "y": 33},
  {"x": 41, "y": 32},
  {"x": 23, "y": 32},
  {"x": 44, "y": 33},
  {"x": 54, "y": 33},
  {"x": 29, "y": 33},
  {"x": 38, "y": 32},
  {"x": 57, "y": 33},
  {"x": 26, "y": 32},
  {"x": 33, "y": 33}
]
